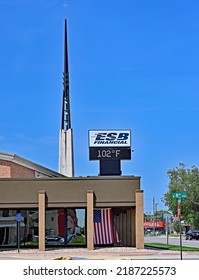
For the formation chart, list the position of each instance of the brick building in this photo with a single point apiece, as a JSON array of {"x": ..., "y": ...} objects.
[{"x": 14, "y": 166}]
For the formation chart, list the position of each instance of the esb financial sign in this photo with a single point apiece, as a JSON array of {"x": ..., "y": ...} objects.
[{"x": 109, "y": 138}]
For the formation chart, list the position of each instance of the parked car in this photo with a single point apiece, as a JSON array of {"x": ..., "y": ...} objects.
[
  {"x": 54, "y": 240},
  {"x": 160, "y": 231},
  {"x": 192, "y": 234},
  {"x": 147, "y": 231}
]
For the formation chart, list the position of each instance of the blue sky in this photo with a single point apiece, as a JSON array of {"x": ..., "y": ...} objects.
[{"x": 132, "y": 65}]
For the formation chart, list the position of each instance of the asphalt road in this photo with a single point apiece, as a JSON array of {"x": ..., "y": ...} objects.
[{"x": 173, "y": 240}]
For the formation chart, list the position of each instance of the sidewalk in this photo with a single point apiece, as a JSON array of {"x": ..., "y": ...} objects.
[{"x": 117, "y": 253}]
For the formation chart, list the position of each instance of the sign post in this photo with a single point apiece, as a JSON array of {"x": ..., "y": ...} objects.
[
  {"x": 166, "y": 217},
  {"x": 18, "y": 219},
  {"x": 179, "y": 196},
  {"x": 179, "y": 218}
]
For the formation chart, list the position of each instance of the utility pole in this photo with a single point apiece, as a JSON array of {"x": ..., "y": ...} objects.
[
  {"x": 154, "y": 215},
  {"x": 156, "y": 212}
]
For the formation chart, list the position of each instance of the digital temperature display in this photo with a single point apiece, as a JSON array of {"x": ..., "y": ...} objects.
[{"x": 109, "y": 153}]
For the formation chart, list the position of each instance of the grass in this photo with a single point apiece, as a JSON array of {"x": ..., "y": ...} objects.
[
  {"x": 171, "y": 247},
  {"x": 78, "y": 240}
]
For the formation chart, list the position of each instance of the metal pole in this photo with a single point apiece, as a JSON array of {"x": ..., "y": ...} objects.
[
  {"x": 153, "y": 215},
  {"x": 18, "y": 236},
  {"x": 156, "y": 214},
  {"x": 180, "y": 241},
  {"x": 179, "y": 217},
  {"x": 167, "y": 230}
]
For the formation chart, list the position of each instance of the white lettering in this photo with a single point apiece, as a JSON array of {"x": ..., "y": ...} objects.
[{"x": 122, "y": 142}]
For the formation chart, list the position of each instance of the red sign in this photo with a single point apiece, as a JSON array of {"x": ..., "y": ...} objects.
[{"x": 157, "y": 224}]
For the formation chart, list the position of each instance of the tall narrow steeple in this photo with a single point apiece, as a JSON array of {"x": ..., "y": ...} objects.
[
  {"x": 66, "y": 159},
  {"x": 66, "y": 119}
]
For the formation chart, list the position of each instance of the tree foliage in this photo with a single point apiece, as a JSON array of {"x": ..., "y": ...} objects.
[{"x": 182, "y": 179}]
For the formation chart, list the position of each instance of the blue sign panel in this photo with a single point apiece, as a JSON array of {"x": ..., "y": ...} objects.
[{"x": 18, "y": 217}]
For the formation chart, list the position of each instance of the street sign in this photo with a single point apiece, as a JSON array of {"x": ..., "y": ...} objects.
[
  {"x": 179, "y": 195},
  {"x": 18, "y": 217}
]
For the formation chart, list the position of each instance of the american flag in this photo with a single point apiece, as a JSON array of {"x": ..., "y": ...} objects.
[{"x": 104, "y": 229}]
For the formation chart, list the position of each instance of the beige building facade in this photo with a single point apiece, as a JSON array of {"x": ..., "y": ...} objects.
[{"x": 64, "y": 207}]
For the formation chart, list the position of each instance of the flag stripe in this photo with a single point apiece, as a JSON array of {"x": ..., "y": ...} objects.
[{"x": 103, "y": 226}]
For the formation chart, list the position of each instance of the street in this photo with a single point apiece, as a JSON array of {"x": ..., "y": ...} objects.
[{"x": 173, "y": 240}]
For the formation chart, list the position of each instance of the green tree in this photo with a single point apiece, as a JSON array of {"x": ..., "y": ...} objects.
[
  {"x": 182, "y": 179},
  {"x": 159, "y": 214}
]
